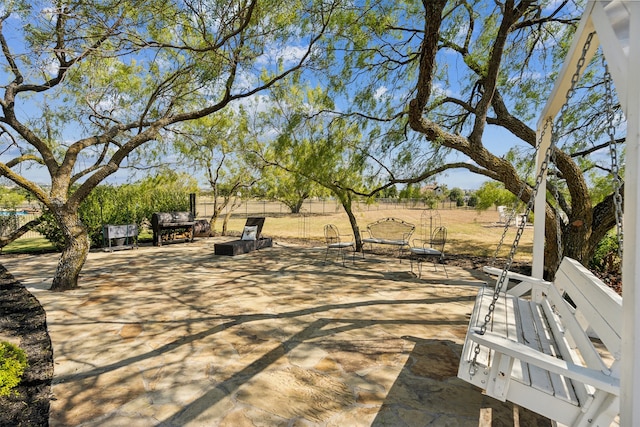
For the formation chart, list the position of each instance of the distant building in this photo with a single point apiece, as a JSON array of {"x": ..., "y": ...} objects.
[{"x": 434, "y": 188}]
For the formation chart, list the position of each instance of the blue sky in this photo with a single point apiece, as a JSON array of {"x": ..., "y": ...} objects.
[{"x": 497, "y": 141}]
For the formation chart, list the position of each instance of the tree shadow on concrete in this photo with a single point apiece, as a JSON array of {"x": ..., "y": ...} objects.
[{"x": 428, "y": 393}]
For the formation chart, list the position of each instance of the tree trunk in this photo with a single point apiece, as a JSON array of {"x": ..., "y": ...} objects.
[
  {"x": 296, "y": 207},
  {"x": 580, "y": 236},
  {"x": 225, "y": 222},
  {"x": 355, "y": 228},
  {"x": 76, "y": 250},
  {"x": 217, "y": 210},
  {"x": 212, "y": 223},
  {"x": 551, "y": 250},
  {"x": 346, "y": 204}
]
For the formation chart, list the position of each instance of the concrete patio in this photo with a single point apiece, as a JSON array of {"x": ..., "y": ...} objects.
[{"x": 176, "y": 336}]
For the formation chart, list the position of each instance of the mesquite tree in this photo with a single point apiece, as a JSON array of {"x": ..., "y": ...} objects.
[
  {"x": 460, "y": 83},
  {"x": 520, "y": 29},
  {"x": 322, "y": 149},
  {"x": 219, "y": 146},
  {"x": 86, "y": 84}
]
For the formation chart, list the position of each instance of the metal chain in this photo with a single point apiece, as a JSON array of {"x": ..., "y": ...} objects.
[
  {"x": 613, "y": 151},
  {"x": 520, "y": 230},
  {"x": 511, "y": 216},
  {"x": 540, "y": 176},
  {"x": 555, "y": 136},
  {"x": 503, "y": 274}
]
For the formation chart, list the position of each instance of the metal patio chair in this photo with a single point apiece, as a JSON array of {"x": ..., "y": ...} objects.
[
  {"x": 333, "y": 241},
  {"x": 434, "y": 249}
]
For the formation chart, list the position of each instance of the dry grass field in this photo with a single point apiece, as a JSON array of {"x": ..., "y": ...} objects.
[{"x": 470, "y": 232}]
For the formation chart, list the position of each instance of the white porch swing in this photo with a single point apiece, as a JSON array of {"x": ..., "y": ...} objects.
[{"x": 537, "y": 351}]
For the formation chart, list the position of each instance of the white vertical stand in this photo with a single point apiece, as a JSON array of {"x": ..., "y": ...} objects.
[
  {"x": 539, "y": 208},
  {"x": 630, "y": 378},
  {"x": 617, "y": 23}
]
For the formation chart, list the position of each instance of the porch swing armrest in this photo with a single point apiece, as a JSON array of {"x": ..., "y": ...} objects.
[
  {"x": 516, "y": 350},
  {"x": 526, "y": 285}
]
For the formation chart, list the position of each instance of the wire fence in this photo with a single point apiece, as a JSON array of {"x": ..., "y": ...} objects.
[
  {"x": 205, "y": 208},
  {"x": 12, "y": 220}
]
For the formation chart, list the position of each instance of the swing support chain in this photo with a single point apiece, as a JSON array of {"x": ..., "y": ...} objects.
[
  {"x": 503, "y": 274},
  {"x": 512, "y": 213},
  {"x": 548, "y": 155},
  {"x": 613, "y": 151}
]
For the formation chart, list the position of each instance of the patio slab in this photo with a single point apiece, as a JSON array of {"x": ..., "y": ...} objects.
[{"x": 177, "y": 336}]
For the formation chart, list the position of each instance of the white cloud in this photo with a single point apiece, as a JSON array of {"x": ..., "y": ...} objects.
[
  {"x": 441, "y": 91},
  {"x": 288, "y": 55},
  {"x": 380, "y": 92}
]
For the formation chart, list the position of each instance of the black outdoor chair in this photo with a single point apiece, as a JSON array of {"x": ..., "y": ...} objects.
[
  {"x": 333, "y": 240},
  {"x": 434, "y": 249}
]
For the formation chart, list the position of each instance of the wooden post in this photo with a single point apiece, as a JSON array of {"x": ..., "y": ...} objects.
[
  {"x": 537, "y": 267},
  {"x": 557, "y": 98},
  {"x": 630, "y": 378},
  {"x": 611, "y": 20}
]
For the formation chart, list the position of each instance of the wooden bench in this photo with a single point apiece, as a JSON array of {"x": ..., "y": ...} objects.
[
  {"x": 556, "y": 352},
  {"x": 171, "y": 221},
  {"x": 389, "y": 231}
]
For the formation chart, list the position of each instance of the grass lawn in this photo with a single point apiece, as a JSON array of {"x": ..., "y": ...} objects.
[
  {"x": 470, "y": 232},
  {"x": 28, "y": 245}
]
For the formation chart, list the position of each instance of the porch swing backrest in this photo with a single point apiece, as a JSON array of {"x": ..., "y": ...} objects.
[{"x": 539, "y": 351}]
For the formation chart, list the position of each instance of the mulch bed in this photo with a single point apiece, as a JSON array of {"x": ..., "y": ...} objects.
[
  {"x": 612, "y": 279},
  {"x": 477, "y": 262},
  {"x": 22, "y": 317}
]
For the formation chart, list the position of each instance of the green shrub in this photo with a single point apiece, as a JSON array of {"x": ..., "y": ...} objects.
[
  {"x": 492, "y": 193},
  {"x": 13, "y": 362},
  {"x": 126, "y": 204},
  {"x": 49, "y": 229},
  {"x": 431, "y": 200},
  {"x": 606, "y": 257}
]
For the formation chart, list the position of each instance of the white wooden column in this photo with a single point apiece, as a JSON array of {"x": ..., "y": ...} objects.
[
  {"x": 537, "y": 267},
  {"x": 630, "y": 375},
  {"x": 557, "y": 98}
]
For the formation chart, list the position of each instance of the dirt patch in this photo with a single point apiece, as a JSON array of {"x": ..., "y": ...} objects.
[
  {"x": 477, "y": 262},
  {"x": 23, "y": 322},
  {"x": 612, "y": 279}
]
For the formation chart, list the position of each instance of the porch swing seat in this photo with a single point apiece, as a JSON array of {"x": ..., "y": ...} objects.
[{"x": 553, "y": 348}]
